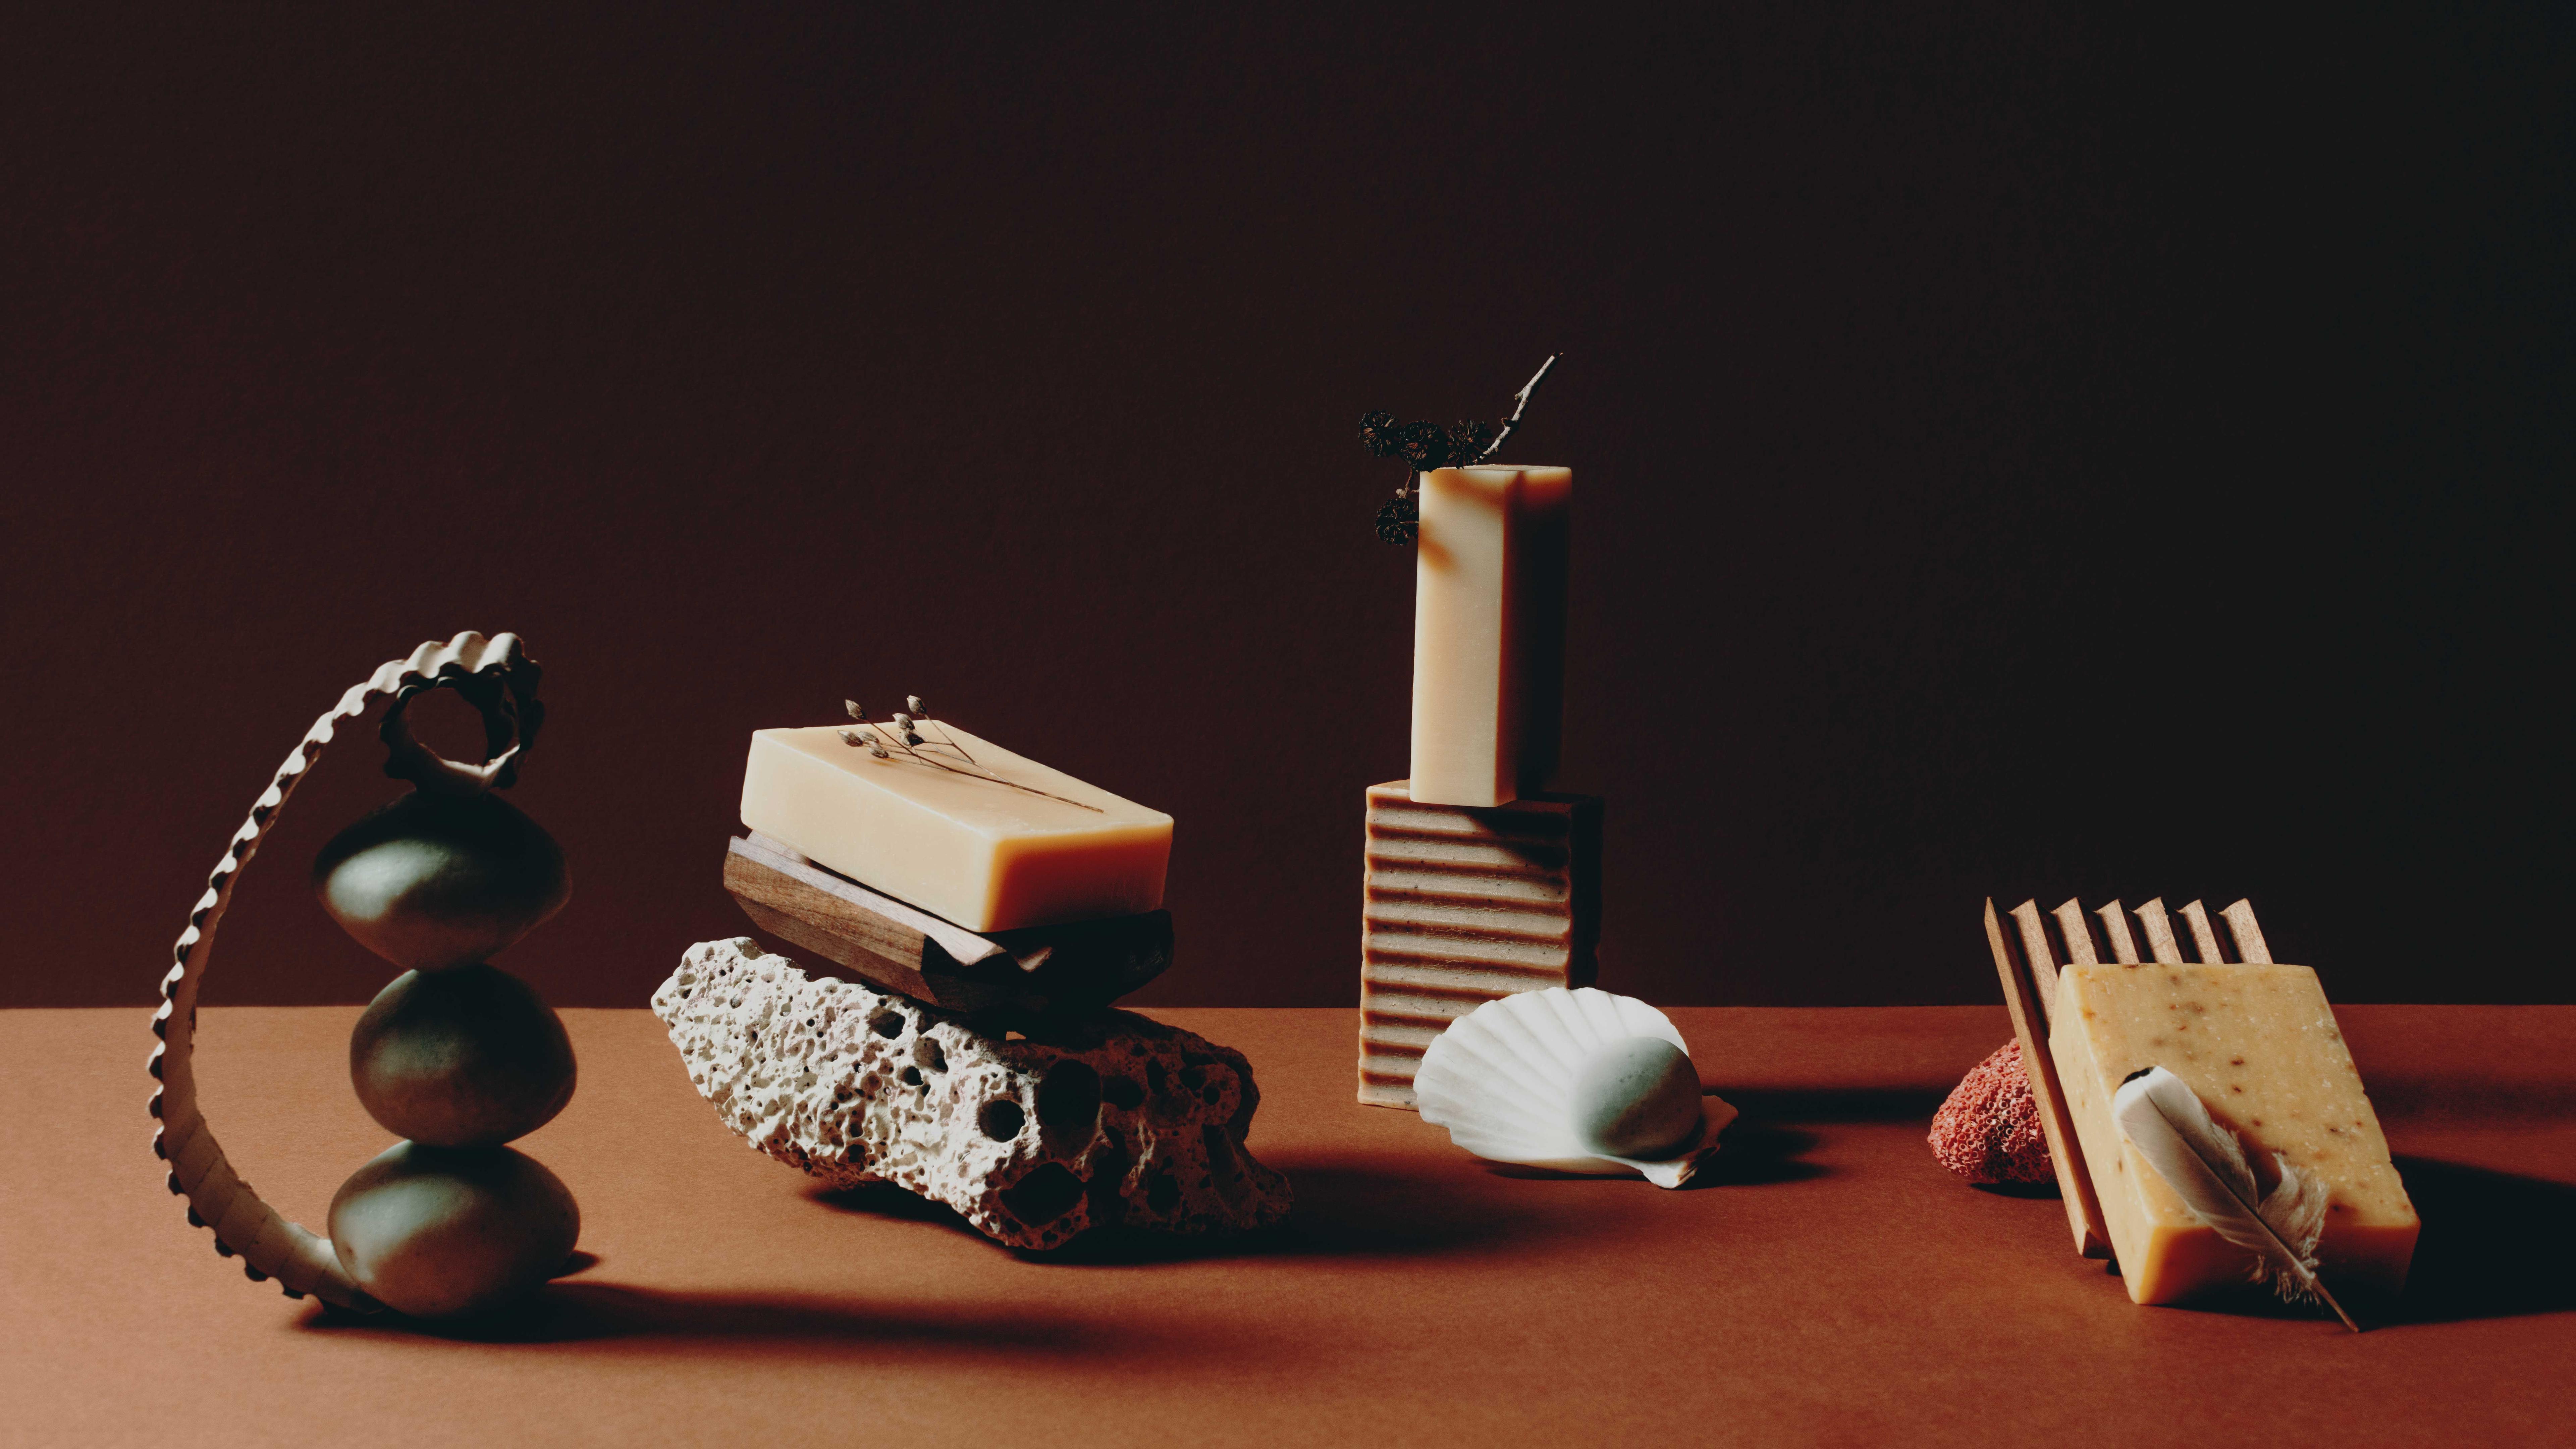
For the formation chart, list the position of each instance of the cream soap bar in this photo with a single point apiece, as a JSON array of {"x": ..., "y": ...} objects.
[
  {"x": 978, "y": 852},
  {"x": 1489, "y": 632},
  {"x": 2259, "y": 1045}
]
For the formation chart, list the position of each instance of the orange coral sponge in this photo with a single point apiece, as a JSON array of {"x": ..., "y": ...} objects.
[{"x": 1988, "y": 1131}]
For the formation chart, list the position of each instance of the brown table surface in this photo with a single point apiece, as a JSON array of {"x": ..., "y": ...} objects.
[{"x": 1830, "y": 1284}]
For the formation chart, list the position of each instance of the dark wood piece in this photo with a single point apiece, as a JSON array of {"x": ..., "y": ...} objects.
[{"x": 1076, "y": 967}]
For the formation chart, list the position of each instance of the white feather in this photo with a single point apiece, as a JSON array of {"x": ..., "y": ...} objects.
[{"x": 2202, "y": 1162}]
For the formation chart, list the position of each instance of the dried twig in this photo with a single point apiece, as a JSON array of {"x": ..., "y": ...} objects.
[
  {"x": 1425, "y": 446},
  {"x": 901, "y": 736}
]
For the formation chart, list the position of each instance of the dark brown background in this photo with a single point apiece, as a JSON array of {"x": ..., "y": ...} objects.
[{"x": 2116, "y": 453}]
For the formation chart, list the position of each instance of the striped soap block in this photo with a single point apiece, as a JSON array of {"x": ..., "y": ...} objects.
[{"x": 1464, "y": 904}]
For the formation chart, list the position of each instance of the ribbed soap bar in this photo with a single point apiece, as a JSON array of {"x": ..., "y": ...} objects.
[{"x": 1464, "y": 904}]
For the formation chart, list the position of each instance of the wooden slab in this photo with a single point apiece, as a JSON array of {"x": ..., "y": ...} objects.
[
  {"x": 2030, "y": 1026},
  {"x": 1076, "y": 967}
]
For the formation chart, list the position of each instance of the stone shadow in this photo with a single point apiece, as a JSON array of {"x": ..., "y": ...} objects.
[
  {"x": 1355, "y": 1207},
  {"x": 789, "y": 1325}
]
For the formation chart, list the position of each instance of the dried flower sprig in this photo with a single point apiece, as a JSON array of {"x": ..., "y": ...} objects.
[
  {"x": 1425, "y": 446},
  {"x": 901, "y": 736}
]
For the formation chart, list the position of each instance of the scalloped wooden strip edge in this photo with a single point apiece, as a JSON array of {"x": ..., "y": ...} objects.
[{"x": 271, "y": 1245}]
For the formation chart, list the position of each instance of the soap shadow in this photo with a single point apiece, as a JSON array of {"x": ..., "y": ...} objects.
[
  {"x": 774, "y": 1324},
  {"x": 2494, "y": 1244},
  {"x": 2019, "y": 1189},
  {"x": 1341, "y": 1209},
  {"x": 2395, "y": 1097},
  {"x": 1751, "y": 1154},
  {"x": 1852, "y": 1104},
  {"x": 2492, "y": 1247}
]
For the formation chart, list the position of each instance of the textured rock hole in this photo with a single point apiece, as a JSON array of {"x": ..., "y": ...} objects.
[
  {"x": 1044, "y": 1195},
  {"x": 912, "y": 1076},
  {"x": 1193, "y": 1076},
  {"x": 1123, "y": 1093},
  {"x": 887, "y": 1024},
  {"x": 1155, "y": 1081},
  {"x": 1164, "y": 1193},
  {"x": 1069, "y": 1097},
  {"x": 927, "y": 1053},
  {"x": 1001, "y": 1119},
  {"x": 1108, "y": 1180}
]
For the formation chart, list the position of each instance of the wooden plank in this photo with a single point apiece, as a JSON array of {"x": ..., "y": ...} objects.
[
  {"x": 1079, "y": 966},
  {"x": 2074, "y": 1184}
]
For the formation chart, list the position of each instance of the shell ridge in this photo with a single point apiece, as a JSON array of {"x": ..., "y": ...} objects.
[{"x": 1501, "y": 1080}]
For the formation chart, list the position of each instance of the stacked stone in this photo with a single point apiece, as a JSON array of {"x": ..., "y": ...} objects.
[
  {"x": 982, "y": 1071},
  {"x": 455, "y": 1056}
]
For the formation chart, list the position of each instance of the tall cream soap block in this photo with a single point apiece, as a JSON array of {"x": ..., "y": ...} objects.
[
  {"x": 1489, "y": 633},
  {"x": 979, "y": 852}
]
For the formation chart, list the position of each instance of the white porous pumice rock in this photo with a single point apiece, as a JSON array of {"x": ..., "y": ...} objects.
[{"x": 1095, "y": 1120}]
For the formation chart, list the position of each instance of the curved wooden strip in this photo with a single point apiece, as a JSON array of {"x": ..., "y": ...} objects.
[{"x": 270, "y": 1245}]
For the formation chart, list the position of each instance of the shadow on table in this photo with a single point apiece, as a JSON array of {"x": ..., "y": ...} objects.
[
  {"x": 2494, "y": 1244},
  {"x": 1749, "y": 1155},
  {"x": 1348, "y": 1208},
  {"x": 2492, "y": 1247},
  {"x": 809, "y": 1325},
  {"x": 1840, "y": 1104}
]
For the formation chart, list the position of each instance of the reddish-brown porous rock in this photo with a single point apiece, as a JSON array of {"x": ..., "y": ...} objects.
[{"x": 1988, "y": 1131}]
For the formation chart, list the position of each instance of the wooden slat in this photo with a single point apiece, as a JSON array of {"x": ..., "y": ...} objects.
[
  {"x": 2250, "y": 946},
  {"x": 2079, "y": 935},
  {"x": 2115, "y": 925},
  {"x": 2162, "y": 948},
  {"x": 2074, "y": 1184},
  {"x": 2203, "y": 939},
  {"x": 2043, "y": 966}
]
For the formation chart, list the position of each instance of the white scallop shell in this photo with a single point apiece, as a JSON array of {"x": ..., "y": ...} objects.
[{"x": 1501, "y": 1079}]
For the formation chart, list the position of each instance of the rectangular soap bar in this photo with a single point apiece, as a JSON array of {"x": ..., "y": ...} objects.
[
  {"x": 2260, "y": 1047},
  {"x": 1463, "y": 905},
  {"x": 1489, "y": 632},
  {"x": 974, "y": 851}
]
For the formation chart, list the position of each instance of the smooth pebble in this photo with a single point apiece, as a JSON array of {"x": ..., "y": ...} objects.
[
  {"x": 445, "y": 1233},
  {"x": 1637, "y": 1098}
]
